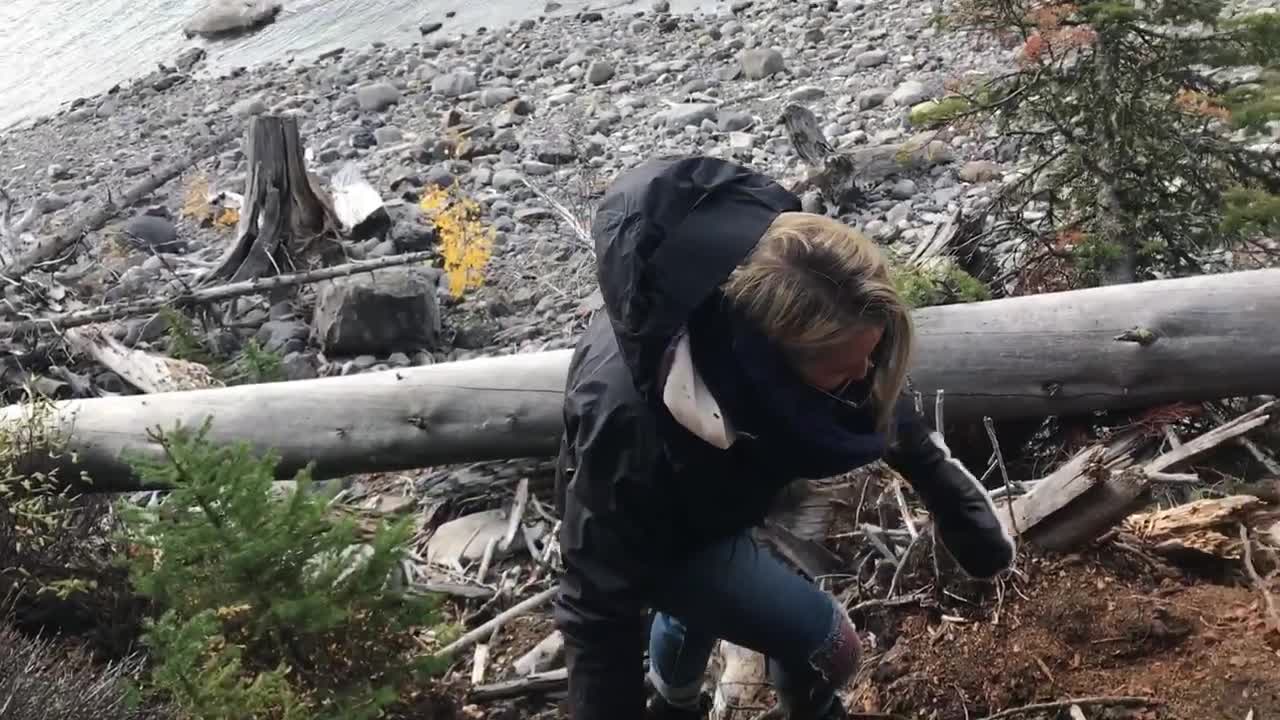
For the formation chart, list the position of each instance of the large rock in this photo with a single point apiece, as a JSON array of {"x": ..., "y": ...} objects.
[
  {"x": 153, "y": 233},
  {"x": 686, "y": 114},
  {"x": 411, "y": 229},
  {"x": 760, "y": 63},
  {"x": 385, "y": 311},
  {"x": 454, "y": 84},
  {"x": 376, "y": 97},
  {"x": 229, "y": 17},
  {"x": 495, "y": 96},
  {"x": 600, "y": 72},
  {"x": 911, "y": 92}
]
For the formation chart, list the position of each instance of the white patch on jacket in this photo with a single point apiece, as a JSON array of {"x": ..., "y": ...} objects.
[{"x": 690, "y": 401}]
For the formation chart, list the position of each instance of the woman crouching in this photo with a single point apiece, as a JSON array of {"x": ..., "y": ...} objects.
[{"x": 745, "y": 345}]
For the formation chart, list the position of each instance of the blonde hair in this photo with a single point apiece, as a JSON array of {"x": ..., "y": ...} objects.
[{"x": 812, "y": 281}]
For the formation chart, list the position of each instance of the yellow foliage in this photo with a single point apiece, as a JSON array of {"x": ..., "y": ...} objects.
[
  {"x": 1198, "y": 103},
  {"x": 195, "y": 200},
  {"x": 228, "y": 217},
  {"x": 465, "y": 242}
]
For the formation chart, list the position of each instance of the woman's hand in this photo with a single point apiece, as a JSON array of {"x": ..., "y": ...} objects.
[{"x": 964, "y": 516}]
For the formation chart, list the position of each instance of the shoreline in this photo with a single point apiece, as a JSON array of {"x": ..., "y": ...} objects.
[{"x": 566, "y": 102}]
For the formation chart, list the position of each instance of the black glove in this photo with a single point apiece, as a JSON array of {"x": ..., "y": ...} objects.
[{"x": 964, "y": 516}]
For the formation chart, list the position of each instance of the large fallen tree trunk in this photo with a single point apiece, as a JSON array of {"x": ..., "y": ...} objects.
[{"x": 1121, "y": 346}]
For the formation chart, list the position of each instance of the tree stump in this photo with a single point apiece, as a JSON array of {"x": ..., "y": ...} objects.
[
  {"x": 832, "y": 173},
  {"x": 284, "y": 216}
]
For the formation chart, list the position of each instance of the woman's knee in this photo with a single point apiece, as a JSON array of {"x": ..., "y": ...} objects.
[{"x": 837, "y": 657}]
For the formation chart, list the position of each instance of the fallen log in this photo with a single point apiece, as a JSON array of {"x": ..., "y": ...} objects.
[
  {"x": 1122, "y": 346},
  {"x": 553, "y": 681},
  {"x": 149, "y": 372},
  {"x": 51, "y": 247},
  {"x": 204, "y": 295},
  {"x": 489, "y": 408},
  {"x": 1102, "y": 485}
]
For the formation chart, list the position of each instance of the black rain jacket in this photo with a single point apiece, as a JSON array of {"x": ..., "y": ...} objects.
[{"x": 635, "y": 489}]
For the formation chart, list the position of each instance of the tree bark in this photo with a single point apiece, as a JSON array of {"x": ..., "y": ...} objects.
[
  {"x": 1103, "y": 485},
  {"x": 483, "y": 409},
  {"x": 283, "y": 212},
  {"x": 1121, "y": 346}
]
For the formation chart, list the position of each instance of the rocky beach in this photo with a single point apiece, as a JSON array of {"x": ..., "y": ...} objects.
[{"x": 562, "y": 102}]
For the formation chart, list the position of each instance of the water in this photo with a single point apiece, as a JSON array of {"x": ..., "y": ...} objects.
[{"x": 54, "y": 51}]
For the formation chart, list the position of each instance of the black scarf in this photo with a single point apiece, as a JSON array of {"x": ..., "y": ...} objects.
[{"x": 798, "y": 429}]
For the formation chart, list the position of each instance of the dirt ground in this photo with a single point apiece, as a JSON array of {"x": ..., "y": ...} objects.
[{"x": 1075, "y": 627}]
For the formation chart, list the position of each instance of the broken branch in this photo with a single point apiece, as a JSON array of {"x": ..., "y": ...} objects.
[
  {"x": 520, "y": 608},
  {"x": 206, "y": 295},
  {"x": 52, "y": 247},
  {"x": 1118, "y": 701}
]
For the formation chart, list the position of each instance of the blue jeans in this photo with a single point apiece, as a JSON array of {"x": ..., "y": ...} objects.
[{"x": 737, "y": 591}]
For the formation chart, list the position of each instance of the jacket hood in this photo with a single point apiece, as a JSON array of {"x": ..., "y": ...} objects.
[{"x": 667, "y": 234}]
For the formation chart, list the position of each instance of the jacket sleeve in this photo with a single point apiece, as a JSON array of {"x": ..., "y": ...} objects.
[
  {"x": 964, "y": 516},
  {"x": 609, "y": 546}
]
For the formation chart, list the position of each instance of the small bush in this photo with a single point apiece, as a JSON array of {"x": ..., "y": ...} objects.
[
  {"x": 56, "y": 558},
  {"x": 940, "y": 112},
  {"x": 938, "y": 283},
  {"x": 255, "y": 364},
  {"x": 465, "y": 242},
  {"x": 269, "y": 607}
]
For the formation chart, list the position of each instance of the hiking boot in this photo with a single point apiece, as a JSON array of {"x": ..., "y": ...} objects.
[{"x": 659, "y": 709}]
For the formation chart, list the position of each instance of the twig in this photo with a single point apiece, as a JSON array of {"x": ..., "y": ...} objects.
[
  {"x": 897, "y": 573},
  {"x": 576, "y": 225},
  {"x": 487, "y": 559},
  {"x": 1255, "y": 418},
  {"x": 1258, "y": 454},
  {"x": 906, "y": 511},
  {"x": 556, "y": 680},
  {"x": 517, "y": 514},
  {"x": 205, "y": 295},
  {"x": 520, "y": 608},
  {"x": 1004, "y": 472},
  {"x": 879, "y": 544},
  {"x": 963, "y": 704},
  {"x": 1273, "y": 615},
  {"x": 937, "y": 412},
  {"x": 877, "y": 603},
  {"x": 1117, "y": 701}
]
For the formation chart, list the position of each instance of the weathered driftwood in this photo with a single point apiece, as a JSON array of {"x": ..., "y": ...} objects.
[
  {"x": 1102, "y": 485},
  {"x": 554, "y": 681},
  {"x": 831, "y": 173},
  {"x": 841, "y": 176},
  {"x": 490, "y": 408},
  {"x": 284, "y": 213},
  {"x": 205, "y": 295},
  {"x": 544, "y": 656},
  {"x": 527, "y": 605},
  {"x": 1207, "y": 528},
  {"x": 149, "y": 372},
  {"x": 1124, "y": 346},
  {"x": 51, "y": 247}
]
